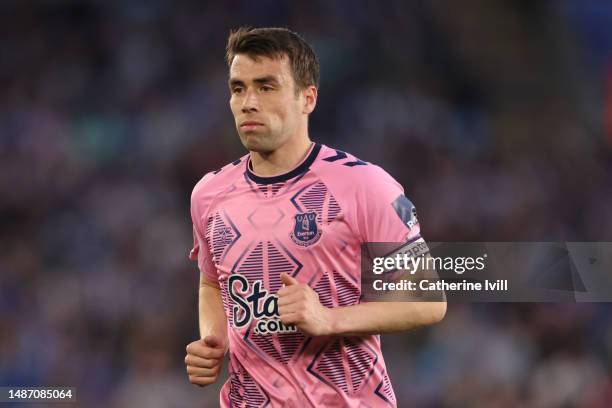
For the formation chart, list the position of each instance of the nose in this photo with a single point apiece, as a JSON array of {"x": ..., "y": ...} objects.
[{"x": 250, "y": 102}]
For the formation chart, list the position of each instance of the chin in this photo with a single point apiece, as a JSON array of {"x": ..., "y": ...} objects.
[{"x": 256, "y": 143}]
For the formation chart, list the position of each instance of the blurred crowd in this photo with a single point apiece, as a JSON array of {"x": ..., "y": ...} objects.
[{"x": 495, "y": 116}]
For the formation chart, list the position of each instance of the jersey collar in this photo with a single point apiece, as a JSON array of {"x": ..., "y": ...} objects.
[{"x": 300, "y": 169}]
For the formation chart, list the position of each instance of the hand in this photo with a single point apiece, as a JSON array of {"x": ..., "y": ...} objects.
[
  {"x": 204, "y": 360},
  {"x": 299, "y": 304}
]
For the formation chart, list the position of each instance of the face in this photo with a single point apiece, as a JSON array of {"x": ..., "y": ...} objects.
[{"x": 266, "y": 109}]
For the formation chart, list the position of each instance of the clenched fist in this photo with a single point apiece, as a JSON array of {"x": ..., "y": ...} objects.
[
  {"x": 299, "y": 304},
  {"x": 204, "y": 360}
]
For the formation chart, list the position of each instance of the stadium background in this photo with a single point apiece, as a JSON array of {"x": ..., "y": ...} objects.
[{"x": 496, "y": 116}]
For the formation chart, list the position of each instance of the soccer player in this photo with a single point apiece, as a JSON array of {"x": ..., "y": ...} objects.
[{"x": 277, "y": 236}]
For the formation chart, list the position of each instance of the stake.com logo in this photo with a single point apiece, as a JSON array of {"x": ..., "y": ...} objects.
[{"x": 255, "y": 303}]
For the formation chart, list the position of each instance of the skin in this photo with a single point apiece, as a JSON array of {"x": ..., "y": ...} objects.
[
  {"x": 204, "y": 357},
  {"x": 263, "y": 90}
]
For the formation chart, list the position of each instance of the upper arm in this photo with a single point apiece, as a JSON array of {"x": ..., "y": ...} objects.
[
  {"x": 206, "y": 282},
  {"x": 384, "y": 214}
]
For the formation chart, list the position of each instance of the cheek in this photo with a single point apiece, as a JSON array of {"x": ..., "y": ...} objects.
[
  {"x": 234, "y": 107},
  {"x": 292, "y": 114},
  {"x": 276, "y": 114},
  {"x": 287, "y": 111}
]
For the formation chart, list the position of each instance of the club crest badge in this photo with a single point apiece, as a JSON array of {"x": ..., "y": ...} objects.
[{"x": 306, "y": 231}]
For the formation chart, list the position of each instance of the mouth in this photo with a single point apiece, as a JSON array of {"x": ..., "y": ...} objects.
[{"x": 250, "y": 125}]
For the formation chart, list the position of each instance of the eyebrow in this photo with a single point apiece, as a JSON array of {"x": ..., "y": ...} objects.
[{"x": 262, "y": 80}]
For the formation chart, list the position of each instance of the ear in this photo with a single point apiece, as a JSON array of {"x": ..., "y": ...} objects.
[{"x": 310, "y": 99}]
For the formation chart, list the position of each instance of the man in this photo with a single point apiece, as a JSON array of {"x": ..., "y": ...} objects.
[{"x": 277, "y": 236}]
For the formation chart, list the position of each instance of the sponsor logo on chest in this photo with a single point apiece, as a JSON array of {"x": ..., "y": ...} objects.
[{"x": 255, "y": 303}]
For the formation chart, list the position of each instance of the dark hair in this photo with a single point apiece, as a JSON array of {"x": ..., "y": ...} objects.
[{"x": 274, "y": 43}]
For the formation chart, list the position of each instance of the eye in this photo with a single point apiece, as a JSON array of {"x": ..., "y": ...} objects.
[
  {"x": 237, "y": 90},
  {"x": 267, "y": 88}
]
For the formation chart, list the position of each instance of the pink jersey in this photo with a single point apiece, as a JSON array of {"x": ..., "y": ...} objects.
[{"x": 310, "y": 223}]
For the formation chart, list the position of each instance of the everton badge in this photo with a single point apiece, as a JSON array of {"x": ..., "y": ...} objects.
[{"x": 305, "y": 231}]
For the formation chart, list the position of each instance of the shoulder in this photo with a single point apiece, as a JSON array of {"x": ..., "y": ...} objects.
[
  {"x": 344, "y": 171},
  {"x": 215, "y": 182}
]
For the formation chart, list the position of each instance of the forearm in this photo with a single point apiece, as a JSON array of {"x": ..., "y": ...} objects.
[
  {"x": 399, "y": 312},
  {"x": 211, "y": 315},
  {"x": 384, "y": 317}
]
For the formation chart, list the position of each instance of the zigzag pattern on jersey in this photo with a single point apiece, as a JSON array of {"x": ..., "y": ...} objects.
[
  {"x": 347, "y": 354},
  {"x": 384, "y": 390},
  {"x": 340, "y": 155},
  {"x": 266, "y": 344},
  {"x": 244, "y": 391},
  {"x": 290, "y": 342},
  {"x": 330, "y": 366},
  {"x": 323, "y": 289},
  {"x": 277, "y": 261},
  {"x": 346, "y": 292},
  {"x": 317, "y": 198},
  {"x": 252, "y": 269},
  {"x": 360, "y": 362},
  {"x": 219, "y": 235},
  {"x": 344, "y": 356},
  {"x": 333, "y": 210},
  {"x": 281, "y": 347}
]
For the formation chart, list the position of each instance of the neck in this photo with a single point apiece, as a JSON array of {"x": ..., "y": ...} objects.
[{"x": 281, "y": 160}]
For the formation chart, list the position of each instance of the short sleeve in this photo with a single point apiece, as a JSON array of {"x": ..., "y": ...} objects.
[
  {"x": 384, "y": 213},
  {"x": 201, "y": 253}
]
